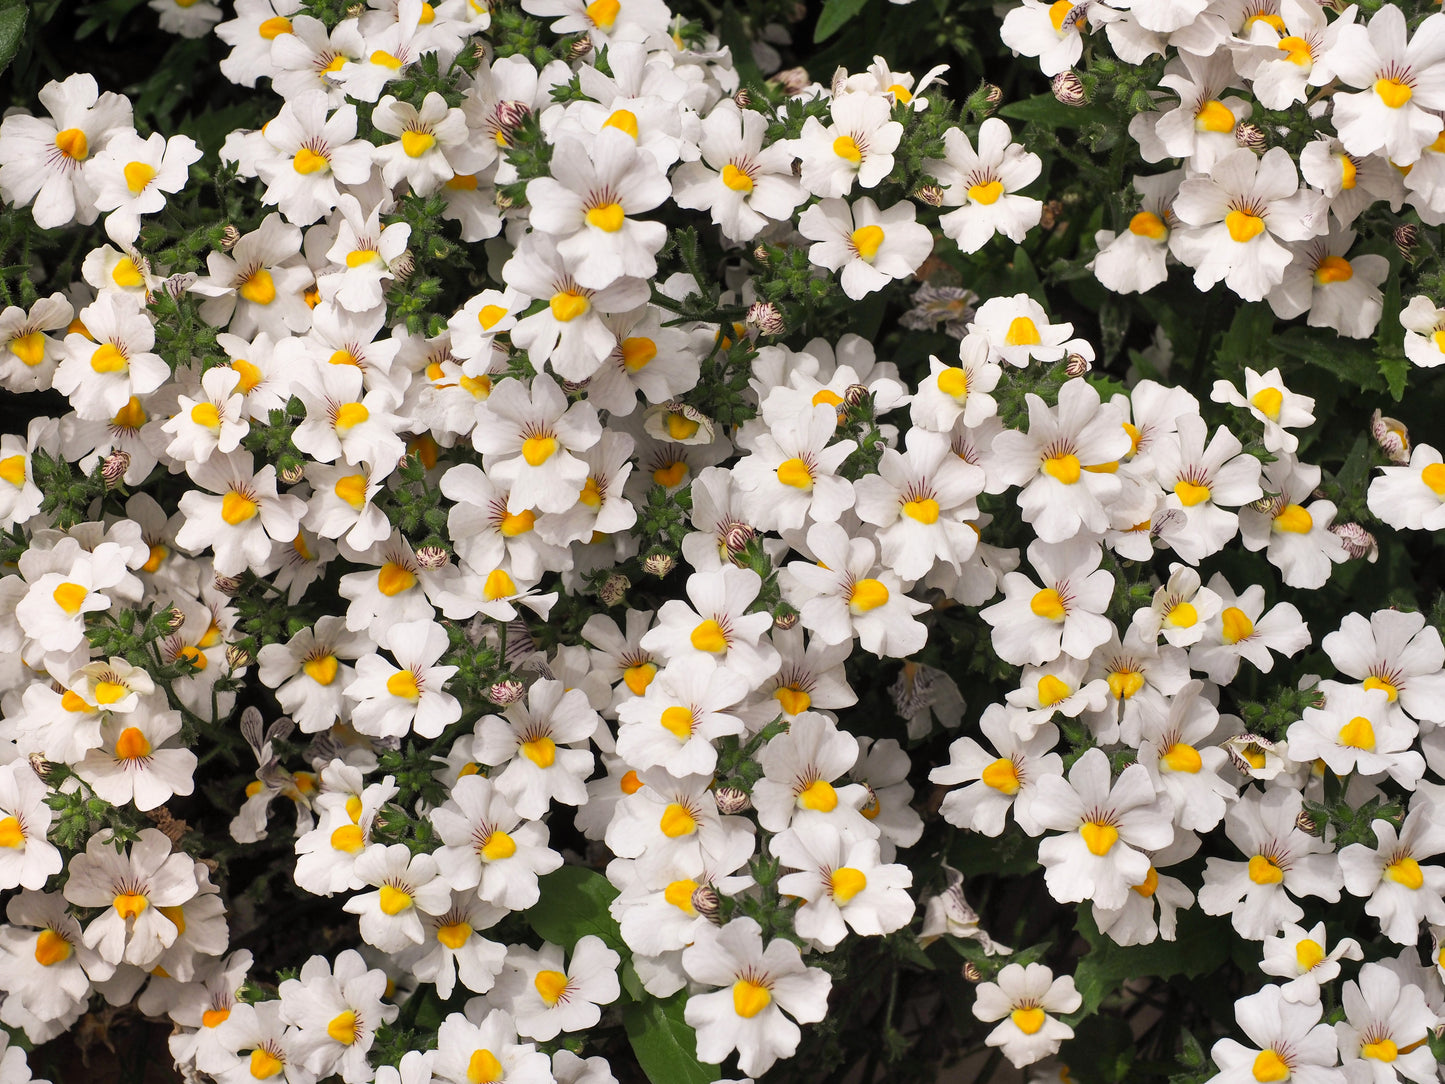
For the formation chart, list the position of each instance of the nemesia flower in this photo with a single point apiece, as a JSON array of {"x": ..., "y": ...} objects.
[
  {"x": 984, "y": 186},
  {"x": 1025, "y": 999},
  {"x": 871, "y": 246}
]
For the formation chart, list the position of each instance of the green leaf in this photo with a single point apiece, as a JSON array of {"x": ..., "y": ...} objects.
[
  {"x": 835, "y": 14},
  {"x": 1396, "y": 369},
  {"x": 1202, "y": 945},
  {"x": 1047, "y": 110},
  {"x": 1244, "y": 343},
  {"x": 665, "y": 1045},
  {"x": 1352, "y": 362},
  {"x": 12, "y": 29},
  {"x": 574, "y": 903}
]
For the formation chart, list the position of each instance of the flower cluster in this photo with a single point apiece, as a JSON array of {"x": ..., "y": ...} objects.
[{"x": 560, "y": 567}]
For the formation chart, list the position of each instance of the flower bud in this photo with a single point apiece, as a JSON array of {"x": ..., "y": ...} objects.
[
  {"x": 40, "y": 766},
  {"x": 742, "y": 99},
  {"x": 1068, "y": 89},
  {"x": 403, "y": 266},
  {"x": 292, "y": 473},
  {"x": 1250, "y": 136},
  {"x": 229, "y": 236},
  {"x": 992, "y": 94},
  {"x": 511, "y": 115},
  {"x": 658, "y": 564},
  {"x": 1077, "y": 365},
  {"x": 114, "y": 468},
  {"x": 737, "y": 536},
  {"x": 506, "y": 691},
  {"x": 855, "y": 395},
  {"x": 1304, "y": 822},
  {"x": 731, "y": 800},
  {"x": 432, "y": 557},
  {"x": 761, "y": 254},
  {"x": 1392, "y": 437},
  {"x": 971, "y": 971},
  {"x": 230, "y": 586},
  {"x": 764, "y": 316},
  {"x": 1407, "y": 234},
  {"x": 502, "y": 200},
  {"x": 1358, "y": 541},
  {"x": 174, "y": 618},
  {"x": 706, "y": 902},
  {"x": 785, "y": 619},
  {"x": 237, "y": 657},
  {"x": 579, "y": 48},
  {"x": 931, "y": 194},
  {"x": 614, "y": 589},
  {"x": 791, "y": 80}
]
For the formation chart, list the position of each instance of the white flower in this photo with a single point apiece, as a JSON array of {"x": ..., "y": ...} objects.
[
  {"x": 1411, "y": 497},
  {"x": 1386, "y": 1029},
  {"x": 1266, "y": 397},
  {"x": 843, "y": 881},
  {"x": 744, "y": 185},
  {"x": 871, "y": 246},
  {"x": 1025, "y": 999},
  {"x": 759, "y": 986},
  {"x": 1358, "y": 731},
  {"x": 135, "y": 888},
  {"x": 1290, "y": 1042},
  {"x": 27, "y": 857},
  {"x": 1034, "y": 624},
  {"x": 488, "y": 847},
  {"x": 1299, "y": 955},
  {"x": 431, "y": 143},
  {"x": 998, "y": 781},
  {"x": 857, "y": 146},
  {"x": 406, "y": 886},
  {"x": 548, "y": 997},
  {"x": 1396, "y": 114},
  {"x": 131, "y": 177},
  {"x": 312, "y": 153},
  {"x": 1400, "y": 890},
  {"x": 535, "y": 747},
  {"x": 790, "y": 478}
]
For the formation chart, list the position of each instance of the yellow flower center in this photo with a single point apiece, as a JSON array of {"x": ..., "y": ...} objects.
[
  {"x": 867, "y": 595},
  {"x": 393, "y": 579},
  {"x": 541, "y": 751},
  {"x": 819, "y": 796},
  {"x": 137, "y": 176},
  {"x": 1308, "y": 953},
  {"x": 12, "y": 835},
  {"x": 29, "y": 348},
  {"x": 1149, "y": 885},
  {"x": 323, "y": 670},
  {"x": 130, "y": 904},
  {"x": 603, "y": 13},
  {"x": 624, "y": 120},
  {"x": 537, "y": 450},
  {"x": 1003, "y": 776},
  {"x": 1374, "y": 682},
  {"x": 1405, "y": 871},
  {"x": 1268, "y": 401},
  {"x": 637, "y": 352},
  {"x": 498, "y": 585},
  {"x": 132, "y": 745},
  {"x": 483, "y": 1066},
  {"x": 551, "y": 985},
  {"x": 1148, "y": 224},
  {"x": 1294, "y": 519},
  {"x": 1358, "y": 734},
  {"x": 677, "y": 821},
  {"x": 736, "y": 179},
  {"x": 679, "y": 894},
  {"x": 681, "y": 427},
  {"x": 1182, "y": 758},
  {"x": 921, "y": 509},
  {"x": 750, "y": 998},
  {"x": 792, "y": 699},
  {"x": 1381, "y": 1050},
  {"x": 70, "y": 597},
  {"x": 1125, "y": 683},
  {"x": 1264, "y": 870},
  {"x": 639, "y": 676},
  {"x": 126, "y": 274},
  {"x": 796, "y": 473},
  {"x": 846, "y": 882},
  {"x": 1065, "y": 468},
  {"x": 259, "y": 287},
  {"x": 342, "y": 1028},
  {"x": 866, "y": 240},
  {"x": 568, "y": 305},
  {"x": 403, "y": 684},
  {"x": 678, "y": 721},
  {"x": 1393, "y": 92},
  {"x": 1191, "y": 493},
  {"x": 1333, "y": 269},
  {"x": 498, "y": 846},
  {"x": 1270, "y": 1067},
  {"x": 1048, "y": 604},
  {"x": 1214, "y": 116},
  {"x": 394, "y": 900},
  {"x": 513, "y": 525},
  {"x": 608, "y": 218},
  {"x": 1434, "y": 477},
  {"x": 1022, "y": 332},
  {"x": 348, "y": 838},
  {"x": 454, "y": 934},
  {"x": 264, "y": 1064},
  {"x": 1099, "y": 836},
  {"x": 1028, "y": 1018},
  {"x": 709, "y": 637},
  {"x": 72, "y": 143},
  {"x": 1243, "y": 226},
  {"x": 1052, "y": 691},
  {"x": 108, "y": 358},
  {"x": 846, "y": 147},
  {"x": 51, "y": 948},
  {"x": 986, "y": 193},
  {"x": 237, "y": 508},
  {"x": 1237, "y": 625}
]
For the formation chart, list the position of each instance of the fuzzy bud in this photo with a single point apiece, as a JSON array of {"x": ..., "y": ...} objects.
[
  {"x": 1049, "y": 216},
  {"x": 731, "y": 800},
  {"x": 1407, "y": 235},
  {"x": 579, "y": 48},
  {"x": 39, "y": 765},
  {"x": 614, "y": 589},
  {"x": 503, "y": 201},
  {"x": 1077, "y": 365},
  {"x": 742, "y": 99},
  {"x": 785, "y": 619},
  {"x": 237, "y": 657},
  {"x": 292, "y": 473},
  {"x": 1358, "y": 541},
  {"x": 432, "y": 557},
  {"x": 1068, "y": 89},
  {"x": 737, "y": 536},
  {"x": 1250, "y": 136},
  {"x": 931, "y": 194},
  {"x": 511, "y": 115},
  {"x": 706, "y": 902},
  {"x": 230, "y": 586},
  {"x": 658, "y": 564},
  {"x": 791, "y": 80},
  {"x": 1392, "y": 437},
  {"x": 403, "y": 266},
  {"x": 992, "y": 95},
  {"x": 507, "y": 691},
  {"x": 971, "y": 971},
  {"x": 761, "y": 254},
  {"x": 1304, "y": 822},
  {"x": 114, "y": 468},
  {"x": 229, "y": 236},
  {"x": 174, "y": 619},
  {"x": 764, "y": 316}
]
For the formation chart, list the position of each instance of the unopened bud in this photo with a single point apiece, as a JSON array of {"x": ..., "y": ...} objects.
[
  {"x": 1049, "y": 216},
  {"x": 614, "y": 589},
  {"x": 355, "y": 11},
  {"x": 506, "y": 691},
  {"x": 1077, "y": 365},
  {"x": 1250, "y": 136},
  {"x": 229, "y": 586},
  {"x": 1304, "y": 822},
  {"x": 502, "y": 200},
  {"x": 737, "y": 536},
  {"x": 761, "y": 254},
  {"x": 855, "y": 395},
  {"x": 229, "y": 236},
  {"x": 992, "y": 94},
  {"x": 742, "y": 99},
  {"x": 39, "y": 765},
  {"x": 931, "y": 194},
  {"x": 791, "y": 80},
  {"x": 403, "y": 266},
  {"x": 114, "y": 468},
  {"x": 579, "y": 48},
  {"x": 658, "y": 564},
  {"x": 511, "y": 115},
  {"x": 706, "y": 902},
  {"x": 572, "y": 387},
  {"x": 764, "y": 316},
  {"x": 731, "y": 800},
  {"x": 1358, "y": 541},
  {"x": 177, "y": 285},
  {"x": 1407, "y": 235},
  {"x": 785, "y": 619},
  {"x": 174, "y": 619},
  {"x": 971, "y": 971},
  {"x": 432, "y": 557},
  {"x": 1068, "y": 89},
  {"x": 1392, "y": 437},
  {"x": 292, "y": 473},
  {"x": 237, "y": 657}
]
